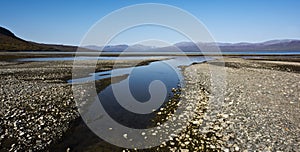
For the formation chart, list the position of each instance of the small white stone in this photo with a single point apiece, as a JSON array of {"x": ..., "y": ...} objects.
[
  {"x": 184, "y": 150},
  {"x": 236, "y": 148},
  {"x": 196, "y": 122},
  {"x": 21, "y": 133},
  {"x": 125, "y": 136},
  {"x": 225, "y": 116}
]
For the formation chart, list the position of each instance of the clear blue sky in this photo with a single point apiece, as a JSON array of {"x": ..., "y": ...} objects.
[{"x": 66, "y": 22}]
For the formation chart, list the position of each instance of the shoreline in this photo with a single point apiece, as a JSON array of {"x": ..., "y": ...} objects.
[
  {"x": 33, "y": 54},
  {"x": 37, "y": 105},
  {"x": 274, "y": 84},
  {"x": 261, "y": 104},
  {"x": 248, "y": 119}
]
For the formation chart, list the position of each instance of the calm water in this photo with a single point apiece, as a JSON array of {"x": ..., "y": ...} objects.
[
  {"x": 139, "y": 79},
  {"x": 87, "y": 58},
  {"x": 133, "y": 55}
]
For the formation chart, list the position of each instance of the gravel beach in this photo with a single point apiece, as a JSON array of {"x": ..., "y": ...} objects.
[
  {"x": 37, "y": 105},
  {"x": 259, "y": 111},
  {"x": 261, "y": 105}
]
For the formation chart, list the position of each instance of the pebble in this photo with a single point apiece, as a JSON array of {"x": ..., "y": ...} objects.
[
  {"x": 221, "y": 128},
  {"x": 226, "y": 150},
  {"x": 30, "y": 105}
]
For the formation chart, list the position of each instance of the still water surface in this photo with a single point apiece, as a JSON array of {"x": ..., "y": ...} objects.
[{"x": 139, "y": 78}]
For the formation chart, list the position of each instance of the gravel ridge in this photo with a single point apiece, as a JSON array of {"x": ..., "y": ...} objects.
[{"x": 261, "y": 103}]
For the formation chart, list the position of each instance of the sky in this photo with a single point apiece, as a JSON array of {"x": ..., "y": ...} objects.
[{"x": 66, "y": 22}]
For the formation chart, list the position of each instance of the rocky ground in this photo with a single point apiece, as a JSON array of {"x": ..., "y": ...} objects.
[
  {"x": 258, "y": 112},
  {"x": 261, "y": 106},
  {"x": 263, "y": 101},
  {"x": 37, "y": 104}
]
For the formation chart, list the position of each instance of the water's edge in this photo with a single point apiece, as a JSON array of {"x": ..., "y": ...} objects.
[{"x": 78, "y": 129}]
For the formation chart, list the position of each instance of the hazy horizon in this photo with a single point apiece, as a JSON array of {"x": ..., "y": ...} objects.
[{"x": 161, "y": 44}]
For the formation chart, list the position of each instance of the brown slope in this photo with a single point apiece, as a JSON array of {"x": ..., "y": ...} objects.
[{"x": 10, "y": 42}]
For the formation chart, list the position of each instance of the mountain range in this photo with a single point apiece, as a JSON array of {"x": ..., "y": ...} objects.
[{"x": 10, "y": 42}]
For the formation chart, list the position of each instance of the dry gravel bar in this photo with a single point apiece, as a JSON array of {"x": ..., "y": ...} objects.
[
  {"x": 261, "y": 104},
  {"x": 37, "y": 104}
]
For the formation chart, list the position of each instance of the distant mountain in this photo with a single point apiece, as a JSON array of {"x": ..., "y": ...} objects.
[
  {"x": 10, "y": 42},
  {"x": 120, "y": 48},
  {"x": 140, "y": 47},
  {"x": 274, "y": 45}
]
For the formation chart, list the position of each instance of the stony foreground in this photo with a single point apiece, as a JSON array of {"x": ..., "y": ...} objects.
[
  {"x": 256, "y": 109},
  {"x": 37, "y": 104},
  {"x": 261, "y": 104},
  {"x": 249, "y": 106}
]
